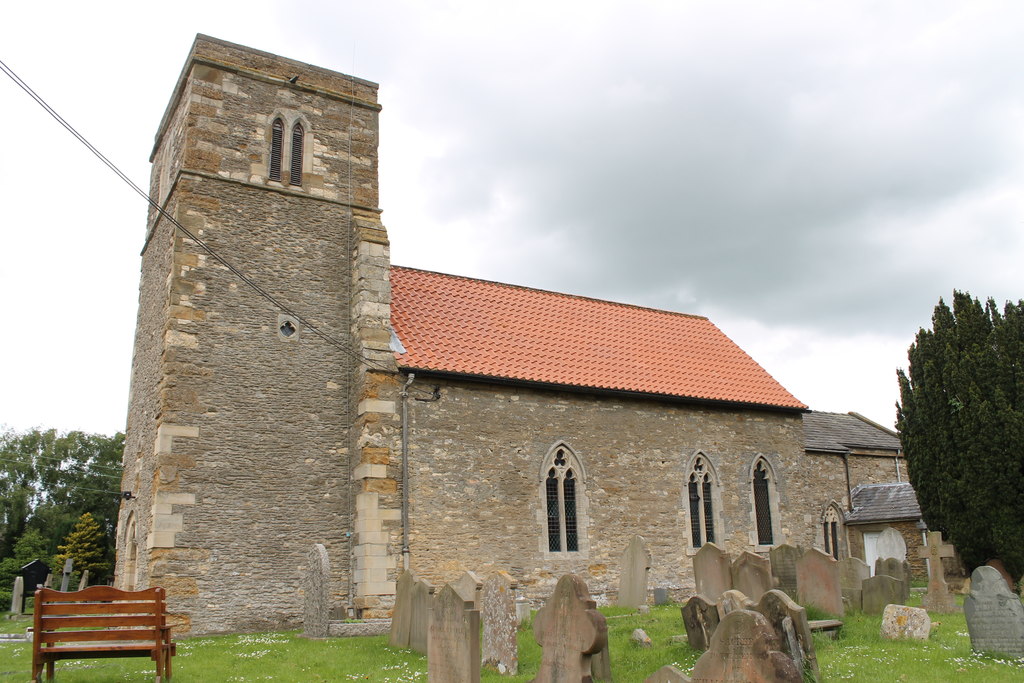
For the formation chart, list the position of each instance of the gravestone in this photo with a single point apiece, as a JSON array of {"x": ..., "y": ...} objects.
[
  {"x": 712, "y": 571},
  {"x": 498, "y": 612},
  {"x": 523, "y": 609},
  {"x": 852, "y": 573},
  {"x": 601, "y": 664},
  {"x": 660, "y": 596},
  {"x": 316, "y": 593},
  {"x": 938, "y": 598},
  {"x": 419, "y": 620},
  {"x": 790, "y": 622},
  {"x": 879, "y": 591},
  {"x": 995, "y": 616},
  {"x": 667, "y": 674},
  {"x": 900, "y": 621},
  {"x": 891, "y": 544},
  {"x": 898, "y": 569},
  {"x": 700, "y": 618},
  {"x": 997, "y": 564},
  {"x": 732, "y": 600},
  {"x": 636, "y": 563},
  {"x": 401, "y": 615},
  {"x": 745, "y": 647},
  {"x": 783, "y": 559},
  {"x": 18, "y": 595},
  {"x": 83, "y": 583},
  {"x": 817, "y": 579},
  {"x": 469, "y": 585},
  {"x": 752, "y": 575},
  {"x": 453, "y": 653},
  {"x": 569, "y": 630},
  {"x": 65, "y": 576},
  {"x": 36, "y": 574}
]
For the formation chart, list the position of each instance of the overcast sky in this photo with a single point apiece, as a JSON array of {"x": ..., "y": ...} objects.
[{"x": 811, "y": 176}]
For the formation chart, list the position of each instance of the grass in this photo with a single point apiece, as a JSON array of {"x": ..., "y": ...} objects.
[{"x": 859, "y": 654}]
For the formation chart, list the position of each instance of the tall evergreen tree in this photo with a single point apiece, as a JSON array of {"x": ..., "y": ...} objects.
[
  {"x": 961, "y": 423},
  {"x": 85, "y": 547}
]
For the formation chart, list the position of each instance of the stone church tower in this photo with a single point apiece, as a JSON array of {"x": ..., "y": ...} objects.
[{"x": 256, "y": 428}]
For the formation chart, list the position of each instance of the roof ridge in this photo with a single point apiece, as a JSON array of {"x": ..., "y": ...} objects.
[{"x": 554, "y": 293}]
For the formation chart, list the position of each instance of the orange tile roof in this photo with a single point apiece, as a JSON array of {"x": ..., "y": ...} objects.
[{"x": 459, "y": 325}]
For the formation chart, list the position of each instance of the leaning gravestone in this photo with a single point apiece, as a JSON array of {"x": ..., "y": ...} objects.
[
  {"x": 498, "y": 612},
  {"x": 316, "y": 594},
  {"x": 938, "y": 598},
  {"x": 569, "y": 630},
  {"x": 401, "y": 615},
  {"x": 783, "y": 559},
  {"x": 453, "y": 652},
  {"x": 745, "y": 647},
  {"x": 879, "y": 591},
  {"x": 790, "y": 622},
  {"x": 712, "y": 571},
  {"x": 700, "y": 618},
  {"x": 419, "y": 621},
  {"x": 852, "y": 573},
  {"x": 83, "y": 583},
  {"x": 902, "y": 622},
  {"x": 636, "y": 562},
  {"x": 898, "y": 569},
  {"x": 891, "y": 544},
  {"x": 995, "y": 616},
  {"x": 18, "y": 595},
  {"x": 818, "y": 582},
  {"x": 469, "y": 585},
  {"x": 65, "y": 577},
  {"x": 752, "y": 575}
]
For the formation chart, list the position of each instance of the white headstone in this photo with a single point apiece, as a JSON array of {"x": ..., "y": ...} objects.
[{"x": 891, "y": 544}]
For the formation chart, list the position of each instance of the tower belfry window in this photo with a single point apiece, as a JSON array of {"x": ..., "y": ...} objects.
[
  {"x": 276, "y": 142},
  {"x": 295, "y": 177}
]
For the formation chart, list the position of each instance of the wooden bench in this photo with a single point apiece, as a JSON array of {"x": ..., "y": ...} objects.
[
  {"x": 830, "y": 627},
  {"x": 100, "y": 622}
]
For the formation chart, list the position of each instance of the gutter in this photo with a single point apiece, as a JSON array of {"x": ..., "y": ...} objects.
[{"x": 405, "y": 470}]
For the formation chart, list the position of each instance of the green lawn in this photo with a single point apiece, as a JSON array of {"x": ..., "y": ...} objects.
[{"x": 859, "y": 654}]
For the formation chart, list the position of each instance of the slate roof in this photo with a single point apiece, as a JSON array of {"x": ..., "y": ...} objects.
[
  {"x": 476, "y": 328},
  {"x": 841, "y": 432},
  {"x": 883, "y": 503}
]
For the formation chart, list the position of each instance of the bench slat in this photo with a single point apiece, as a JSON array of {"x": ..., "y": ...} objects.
[
  {"x": 50, "y": 608},
  {"x": 109, "y": 634},
  {"x": 101, "y": 621}
]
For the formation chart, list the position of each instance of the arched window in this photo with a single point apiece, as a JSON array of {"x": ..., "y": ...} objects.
[
  {"x": 295, "y": 178},
  {"x": 562, "y": 496},
  {"x": 700, "y": 493},
  {"x": 831, "y": 523},
  {"x": 131, "y": 562},
  {"x": 276, "y": 144},
  {"x": 762, "y": 485}
]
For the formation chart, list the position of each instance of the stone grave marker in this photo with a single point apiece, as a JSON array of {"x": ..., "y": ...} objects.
[
  {"x": 601, "y": 664},
  {"x": 783, "y": 559},
  {"x": 469, "y": 585},
  {"x": 900, "y": 621},
  {"x": 852, "y": 572},
  {"x": 65, "y": 577},
  {"x": 790, "y": 622},
  {"x": 49, "y": 581},
  {"x": 997, "y": 564},
  {"x": 316, "y": 593},
  {"x": 636, "y": 563},
  {"x": 419, "y": 621},
  {"x": 752, "y": 575},
  {"x": 732, "y": 600},
  {"x": 879, "y": 591},
  {"x": 569, "y": 630},
  {"x": 453, "y": 652},
  {"x": 818, "y": 582},
  {"x": 667, "y": 674},
  {"x": 18, "y": 595},
  {"x": 995, "y": 616},
  {"x": 712, "y": 571},
  {"x": 700, "y": 618},
  {"x": 498, "y": 612},
  {"x": 401, "y": 615},
  {"x": 83, "y": 583},
  {"x": 898, "y": 569},
  {"x": 938, "y": 598},
  {"x": 745, "y": 647},
  {"x": 660, "y": 596},
  {"x": 891, "y": 544},
  {"x": 523, "y": 608}
]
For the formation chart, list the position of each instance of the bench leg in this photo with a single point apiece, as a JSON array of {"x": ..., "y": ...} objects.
[{"x": 49, "y": 671}]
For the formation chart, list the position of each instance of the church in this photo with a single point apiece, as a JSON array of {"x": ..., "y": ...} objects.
[{"x": 291, "y": 386}]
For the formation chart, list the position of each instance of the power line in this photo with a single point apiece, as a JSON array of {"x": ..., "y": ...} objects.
[
  {"x": 22, "y": 462},
  {"x": 220, "y": 259},
  {"x": 116, "y": 468}
]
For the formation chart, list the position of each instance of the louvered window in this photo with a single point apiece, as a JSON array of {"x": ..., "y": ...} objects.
[
  {"x": 561, "y": 499},
  {"x": 276, "y": 141},
  {"x": 702, "y": 507},
  {"x": 296, "y": 169},
  {"x": 762, "y": 505}
]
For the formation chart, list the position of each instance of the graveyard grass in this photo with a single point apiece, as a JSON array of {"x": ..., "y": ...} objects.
[{"x": 859, "y": 654}]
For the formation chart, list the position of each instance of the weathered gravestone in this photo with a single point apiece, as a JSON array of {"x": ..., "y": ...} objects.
[
  {"x": 938, "y": 598},
  {"x": 601, "y": 664},
  {"x": 569, "y": 630},
  {"x": 852, "y": 573},
  {"x": 469, "y": 585},
  {"x": 901, "y": 622},
  {"x": 498, "y": 611},
  {"x": 790, "y": 622},
  {"x": 419, "y": 621},
  {"x": 879, "y": 591},
  {"x": 712, "y": 571},
  {"x": 667, "y": 674},
  {"x": 745, "y": 647},
  {"x": 891, "y": 544},
  {"x": 783, "y": 559},
  {"x": 817, "y": 579},
  {"x": 316, "y": 593},
  {"x": 636, "y": 562},
  {"x": 732, "y": 600},
  {"x": 752, "y": 575},
  {"x": 65, "y": 576},
  {"x": 18, "y": 595},
  {"x": 453, "y": 653},
  {"x": 660, "y": 596},
  {"x": 401, "y": 615},
  {"x": 898, "y": 569},
  {"x": 700, "y": 618},
  {"x": 995, "y": 616},
  {"x": 83, "y": 583}
]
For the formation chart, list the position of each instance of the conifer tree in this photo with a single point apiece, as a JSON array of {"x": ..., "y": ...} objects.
[
  {"x": 84, "y": 545},
  {"x": 961, "y": 423}
]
